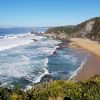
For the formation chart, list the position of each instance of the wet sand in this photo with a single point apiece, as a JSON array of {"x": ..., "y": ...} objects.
[
  {"x": 92, "y": 65},
  {"x": 89, "y": 69}
]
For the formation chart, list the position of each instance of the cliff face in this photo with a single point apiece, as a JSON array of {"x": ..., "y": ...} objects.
[{"x": 88, "y": 29}]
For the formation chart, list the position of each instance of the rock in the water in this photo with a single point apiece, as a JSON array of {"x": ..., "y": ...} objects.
[{"x": 46, "y": 78}]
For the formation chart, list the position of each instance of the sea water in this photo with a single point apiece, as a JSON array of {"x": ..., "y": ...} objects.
[{"x": 23, "y": 65}]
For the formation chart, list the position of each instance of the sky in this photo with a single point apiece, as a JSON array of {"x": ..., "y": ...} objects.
[{"x": 44, "y": 13}]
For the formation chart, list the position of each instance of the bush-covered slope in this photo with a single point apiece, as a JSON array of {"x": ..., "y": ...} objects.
[
  {"x": 57, "y": 90},
  {"x": 66, "y": 29},
  {"x": 88, "y": 29}
]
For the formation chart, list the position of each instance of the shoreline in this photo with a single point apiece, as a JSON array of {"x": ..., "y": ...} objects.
[
  {"x": 89, "y": 69},
  {"x": 92, "y": 65}
]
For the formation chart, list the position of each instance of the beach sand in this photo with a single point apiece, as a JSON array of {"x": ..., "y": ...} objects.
[{"x": 92, "y": 66}]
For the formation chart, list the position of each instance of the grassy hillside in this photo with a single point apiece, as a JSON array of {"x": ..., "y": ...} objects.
[{"x": 57, "y": 90}]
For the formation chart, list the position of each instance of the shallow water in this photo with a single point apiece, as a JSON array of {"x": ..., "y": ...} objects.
[
  {"x": 26, "y": 64},
  {"x": 64, "y": 63},
  {"x": 20, "y": 66}
]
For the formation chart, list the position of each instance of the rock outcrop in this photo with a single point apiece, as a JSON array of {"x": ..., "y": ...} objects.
[
  {"x": 46, "y": 78},
  {"x": 88, "y": 29}
]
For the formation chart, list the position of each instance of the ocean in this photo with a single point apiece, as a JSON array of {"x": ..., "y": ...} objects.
[{"x": 24, "y": 61}]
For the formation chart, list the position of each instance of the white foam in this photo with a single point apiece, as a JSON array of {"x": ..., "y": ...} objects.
[
  {"x": 47, "y": 50},
  {"x": 12, "y": 35},
  {"x": 38, "y": 37},
  {"x": 21, "y": 62},
  {"x": 43, "y": 64},
  {"x": 1, "y": 36},
  {"x": 19, "y": 69},
  {"x": 39, "y": 78},
  {"x": 51, "y": 42},
  {"x": 28, "y": 87},
  {"x": 11, "y": 41},
  {"x": 22, "y": 67},
  {"x": 8, "y": 43},
  {"x": 73, "y": 74}
]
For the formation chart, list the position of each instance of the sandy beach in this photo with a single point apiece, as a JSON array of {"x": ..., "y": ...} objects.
[{"x": 92, "y": 66}]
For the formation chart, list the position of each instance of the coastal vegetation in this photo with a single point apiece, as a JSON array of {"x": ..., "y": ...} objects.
[
  {"x": 67, "y": 29},
  {"x": 56, "y": 90},
  {"x": 89, "y": 29}
]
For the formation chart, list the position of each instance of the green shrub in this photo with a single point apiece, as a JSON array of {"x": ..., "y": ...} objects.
[{"x": 83, "y": 90}]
